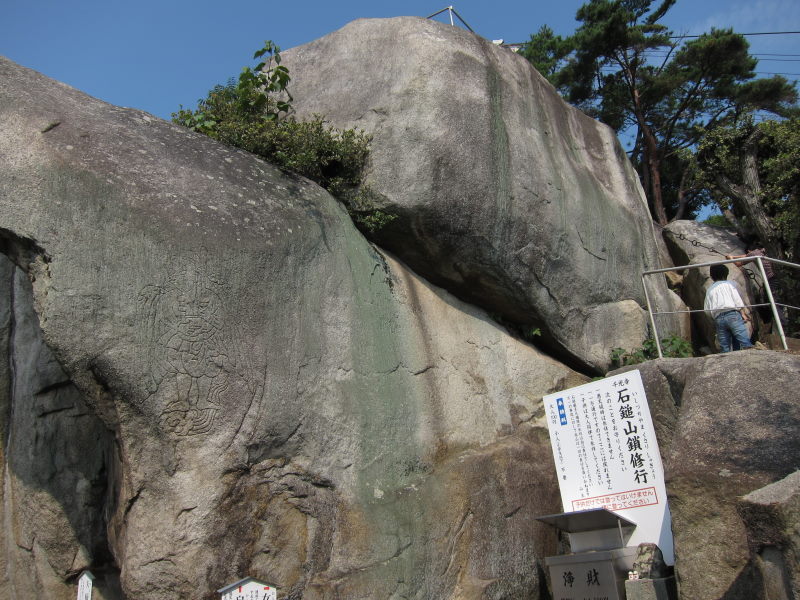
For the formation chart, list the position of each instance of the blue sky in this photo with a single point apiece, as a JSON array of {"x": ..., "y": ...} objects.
[{"x": 158, "y": 55}]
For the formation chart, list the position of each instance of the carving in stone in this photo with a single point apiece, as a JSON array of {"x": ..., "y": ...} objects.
[{"x": 193, "y": 355}]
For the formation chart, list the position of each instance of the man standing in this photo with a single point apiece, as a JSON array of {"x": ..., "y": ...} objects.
[{"x": 725, "y": 305}]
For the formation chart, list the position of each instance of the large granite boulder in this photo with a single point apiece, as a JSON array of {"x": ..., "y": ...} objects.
[
  {"x": 680, "y": 319},
  {"x": 218, "y": 377},
  {"x": 727, "y": 427},
  {"x": 772, "y": 516},
  {"x": 693, "y": 243},
  {"x": 503, "y": 193},
  {"x": 55, "y": 482}
]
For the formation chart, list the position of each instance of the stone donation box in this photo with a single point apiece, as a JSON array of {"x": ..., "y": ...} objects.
[
  {"x": 600, "y": 561},
  {"x": 249, "y": 588}
]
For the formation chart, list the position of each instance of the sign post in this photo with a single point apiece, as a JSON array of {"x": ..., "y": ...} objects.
[
  {"x": 606, "y": 456},
  {"x": 249, "y": 588},
  {"x": 85, "y": 584}
]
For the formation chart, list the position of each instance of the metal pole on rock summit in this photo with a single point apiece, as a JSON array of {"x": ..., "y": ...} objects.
[{"x": 452, "y": 11}]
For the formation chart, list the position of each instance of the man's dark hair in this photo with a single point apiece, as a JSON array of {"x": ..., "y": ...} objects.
[{"x": 719, "y": 272}]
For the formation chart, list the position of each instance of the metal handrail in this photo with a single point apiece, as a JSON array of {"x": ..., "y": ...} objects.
[{"x": 757, "y": 259}]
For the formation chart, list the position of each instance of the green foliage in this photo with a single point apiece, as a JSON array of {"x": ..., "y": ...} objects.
[
  {"x": 252, "y": 113},
  {"x": 607, "y": 68},
  {"x": 717, "y": 221},
  {"x": 547, "y": 51},
  {"x": 780, "y": 177},
  {"x": 672, "y": 346},
  {"x": 363, "y": 208},
  {"x": 774, "y": 164},
  {"x": 259, "y": 94}
]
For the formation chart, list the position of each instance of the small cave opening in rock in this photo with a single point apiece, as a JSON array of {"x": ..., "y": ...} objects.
[{"x": 58, "y": 456}]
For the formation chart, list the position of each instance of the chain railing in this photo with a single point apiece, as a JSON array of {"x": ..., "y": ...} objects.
[
  {"x": 747, "y": 259},
  {"x": 697, "y": 243},
  {"x": 694, "y": 243}
]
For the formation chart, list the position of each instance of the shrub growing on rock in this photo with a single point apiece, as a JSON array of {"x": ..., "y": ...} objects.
[
  {"x": 253, "y": 114},
  {"x": 672, "y": 346}
]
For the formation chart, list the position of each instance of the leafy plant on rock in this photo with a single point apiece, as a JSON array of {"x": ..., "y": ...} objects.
[
  {"x": 672, "y": 346},
  {"x": 254, "y": 113},
  {"x": 717, "y": 221}
]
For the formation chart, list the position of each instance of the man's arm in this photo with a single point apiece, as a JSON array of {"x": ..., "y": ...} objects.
[{"x": 737, "y": 298}]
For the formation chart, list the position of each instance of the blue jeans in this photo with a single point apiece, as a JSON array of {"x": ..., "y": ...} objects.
[{"x": 732, "y": 332}]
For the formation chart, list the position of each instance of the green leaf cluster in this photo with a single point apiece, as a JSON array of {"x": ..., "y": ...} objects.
[
  {"x": 672, "y": 346},
  {"x": 547, "y": 52},
  {"x": 773, "y": 175},
  {"x": 254, "y": 113},
  {"x": 717, "y": 221},
  {"x": 362, "y": 204},
  {"x": 625, "y": 68}
]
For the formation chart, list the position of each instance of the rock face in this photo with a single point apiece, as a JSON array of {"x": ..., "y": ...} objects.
[
  {"x": 239, "y": 383},
  {"x": 727, "y": 426},
  {"x": 55, "y": 486},
  {"x": 690, "y": 242},
  {"x": 206, "y": 372},
  {"x": 503, "y": 193},
  {"x": 772, "y": 515}
]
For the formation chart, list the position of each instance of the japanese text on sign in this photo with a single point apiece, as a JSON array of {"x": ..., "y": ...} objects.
[{"x": 606, "y": 454}]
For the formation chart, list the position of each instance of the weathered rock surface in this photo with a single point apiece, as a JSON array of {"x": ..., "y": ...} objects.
[
  {"x": 772, "y": 517},
  {"x": 727, "y": 426},
  {"x": 206, "y": 373},
  {"x": 503, "y": 193},
  {"x": 252, "y": 388},
  {"x": 680, "y": 321},
  {"x": 55, "y": 485},
  {"x": 690, "y": 242}
]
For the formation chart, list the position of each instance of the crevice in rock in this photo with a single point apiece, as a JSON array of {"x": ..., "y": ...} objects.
[
  {"x": 9, "y": 359},
  {"x": 158, "y": 560},
  {"x": 466, "y": 519},
  {"x": 55, "y": 448},
  {"x": 50, "y": 126},
  {"x": 47, "y": 413},
  {"x": 676, "y": 386},
  {"x": 583, "y": 243},
  {"x": 131, "y": 502},
  {"x": 475, "y": 290},
  {"x": 20, "y": 250},
  {"x": 54, "y": 386}
]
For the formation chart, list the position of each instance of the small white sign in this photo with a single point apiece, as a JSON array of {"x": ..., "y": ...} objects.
[
  {"x": 606, "y": 455},
  {"x": 85, "y": 586},
  {"x": 249, "y": 589}
]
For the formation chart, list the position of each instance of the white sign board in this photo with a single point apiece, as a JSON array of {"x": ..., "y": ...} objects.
[
  {"x": 606, "y": 455},
  {"x": 85, "y": 586},
  {"x": 251, "y": 590}
]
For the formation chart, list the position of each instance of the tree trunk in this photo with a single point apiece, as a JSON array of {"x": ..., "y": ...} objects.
[
  {"x": 683, "y": 200},
  {"x": 747, "y": 197},
  {"x": 651, "y": 161},
  {"x": 654, "y": 169}
]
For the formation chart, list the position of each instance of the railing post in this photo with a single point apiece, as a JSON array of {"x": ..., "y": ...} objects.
[
  {"x": 652, "y": 319},
  {"x": 775, "y": 317}
]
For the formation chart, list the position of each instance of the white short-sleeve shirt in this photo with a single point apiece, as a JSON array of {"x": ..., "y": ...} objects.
[{"x": 721, "y": 297}]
